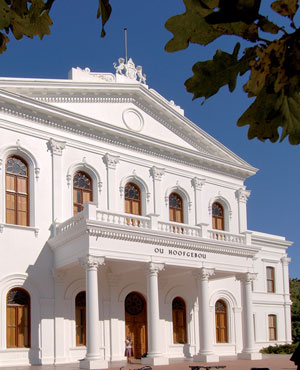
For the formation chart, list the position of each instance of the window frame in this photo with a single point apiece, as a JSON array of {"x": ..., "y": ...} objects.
[
  {"x": 77, "y": 325},
  {"x": 270, "y": 280},
  {"x": 272, "y": 330},
  {"x": 216, "y": 218},
  {"x": 82, "y": 190},
  {"x": 173, "y": 210},
  {"x": 132, "y": 201},
  {"x": 179, "y": 328},
  {"x": 16, "y": 193},
  {"x": 218, "y": 315},
  {"x": 17, "y": 327}
]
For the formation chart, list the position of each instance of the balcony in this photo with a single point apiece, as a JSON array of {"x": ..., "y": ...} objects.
[{"x": 149, "y": 223}]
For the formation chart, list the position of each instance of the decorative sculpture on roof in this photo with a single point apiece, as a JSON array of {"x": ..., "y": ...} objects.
[{"x": 130, "y": 70}]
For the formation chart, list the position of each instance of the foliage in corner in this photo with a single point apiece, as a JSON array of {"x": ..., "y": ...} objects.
[
  {"x": 24, "y": 18},
  {"x": 274, "y": 64},
  {"x": 295, "y": 310}
]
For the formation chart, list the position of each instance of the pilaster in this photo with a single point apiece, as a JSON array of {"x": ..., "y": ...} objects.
[
  {"x": 56, "y": 148},
  {"x": 111, "y": 162},
  {"x": 157, "y": 175},
  {"x": 242, "y": 196},
  {"x": 198, "y": 184}
]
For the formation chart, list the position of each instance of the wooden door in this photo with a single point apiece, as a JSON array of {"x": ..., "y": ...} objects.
[{"x": 136, "y": 323}]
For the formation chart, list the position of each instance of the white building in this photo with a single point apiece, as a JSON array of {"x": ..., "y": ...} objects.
[{"x": 161, "y": 246}]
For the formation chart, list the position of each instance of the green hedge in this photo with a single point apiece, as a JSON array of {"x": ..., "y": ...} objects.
[{"x": 280, "y": 349}]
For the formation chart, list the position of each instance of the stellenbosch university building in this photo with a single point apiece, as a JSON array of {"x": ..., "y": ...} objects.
[{"x": 119, "y": 216}]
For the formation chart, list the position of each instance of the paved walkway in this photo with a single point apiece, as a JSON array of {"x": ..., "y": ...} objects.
[{"x": 273, "y": 362}]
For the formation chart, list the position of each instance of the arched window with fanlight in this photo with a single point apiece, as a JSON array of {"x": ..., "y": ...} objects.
[
  {"x": 82, "y": 190},
  {"x": 133, "y": 199},
  {"x": 218, "y": 216},
  {"x": 221, "y": 322},
  {"x": 80, "y": 314},
  {"x": 18, "y": 319},
  {"x": 17, "y": 191},
  {"x": 175, "y": 207},
  {"x": 179, "y": 321}
]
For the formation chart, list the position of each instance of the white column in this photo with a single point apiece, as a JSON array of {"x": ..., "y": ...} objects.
[
  {"x": 287, "y": 302},
  {"x": 206, "y": 353},
  {"x": 93, "y": 358},
  {"x": 59, "y": 317},
  {"x": 56, "y": 148},
  {"x": 249, "y": 351},
  {"x": 157, "y": 174},
  {"x": 111, "y": 162},
  {"x": 154, "y": 356},
  {"x": 242, "y": 196}
]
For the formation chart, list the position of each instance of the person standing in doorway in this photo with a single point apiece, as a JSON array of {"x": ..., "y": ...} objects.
[{"x": 128, "y": 349}]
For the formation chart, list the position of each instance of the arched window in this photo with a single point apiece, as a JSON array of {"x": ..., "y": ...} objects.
[
  {"x": 132, "y": 199},
  {"x": 175, "y": 207},
  {"x": 18, "y": 319},
  {"x": 82, "y": 190},
  {"x": 217, "y": 216},
  {"x": 270, "y": 279},
  {"x": 17, "y": 191},
  {"x": 272, "y": 323},
  {"x": 80, "y": 313},
  {"x": 179, "y": 320},
  {"x": 221, "y": 322}
]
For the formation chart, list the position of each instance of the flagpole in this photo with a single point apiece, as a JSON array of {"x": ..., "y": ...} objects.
[{"x": 125, "y": 39}]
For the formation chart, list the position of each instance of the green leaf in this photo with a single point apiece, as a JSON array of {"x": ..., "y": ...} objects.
[
  {"x": 271, "y": 111},
  {"x": 230, "y": 11},
  {"x": 287, "y": 8},
  {"x": 5, "y": 15},
  {"x": 3, "y": 41},
  {"x": 191, "y": 27},
  {"x": 30, "y": 22},
  {"x": 223, "y": 69},
  {"x": 266, "y": 26},
  {"x": 104, "y": 11}
]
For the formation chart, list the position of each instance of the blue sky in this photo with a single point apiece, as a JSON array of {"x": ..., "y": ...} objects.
[{"x": 75, "y": 41}]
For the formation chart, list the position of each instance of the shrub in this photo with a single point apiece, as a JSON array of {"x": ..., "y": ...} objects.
[{"x": 280, "y": 349}]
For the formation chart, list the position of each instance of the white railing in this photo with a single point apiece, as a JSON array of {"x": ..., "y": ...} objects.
[
  {"x": 70, "y": 223},
  {"x": 226, "y": 236},
  {"x": 178, "y": 228},
  {"x": 123, "y": 219}
]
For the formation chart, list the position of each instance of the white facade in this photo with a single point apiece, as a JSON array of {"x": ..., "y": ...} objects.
[{"x": 117, "y": 130}]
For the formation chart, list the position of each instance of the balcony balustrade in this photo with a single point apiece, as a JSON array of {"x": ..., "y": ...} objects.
[{"x": 131, "y": 221}]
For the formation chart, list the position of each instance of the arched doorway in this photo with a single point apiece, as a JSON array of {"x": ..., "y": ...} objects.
[{"x": 136, "y": 322}]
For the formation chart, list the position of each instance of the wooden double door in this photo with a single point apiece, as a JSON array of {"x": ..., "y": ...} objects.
[{"x": 136, "y": 323}]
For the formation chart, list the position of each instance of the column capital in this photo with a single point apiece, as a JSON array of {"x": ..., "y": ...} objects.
[
  {"x": 285, "y": 260},
  {"x": 154, "y": 268},
  {"x": 242, "y": 195},
  {"x": 198, "y": 183},
  {"x": 204, "y": 273},
  {"x": 247, "y": 277},
  {"x": 111, "y": 161},
  {"x": 56, "y": 147},
  {"x": 157, "y": 173},
  {"x": 91, "y": 262}
]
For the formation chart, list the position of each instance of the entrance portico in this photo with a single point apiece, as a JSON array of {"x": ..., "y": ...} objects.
[{"x": 163, "y": 268}]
